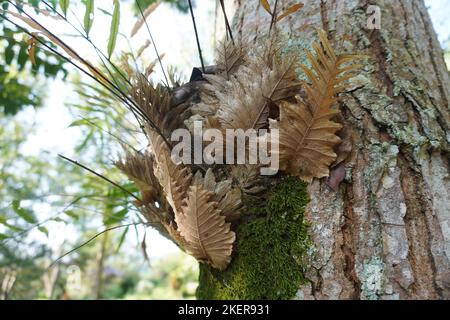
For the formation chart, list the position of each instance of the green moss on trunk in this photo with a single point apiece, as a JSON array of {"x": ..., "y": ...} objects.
[{"x": 270, "y": 250}]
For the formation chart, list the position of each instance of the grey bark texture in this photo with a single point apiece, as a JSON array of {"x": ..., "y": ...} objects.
[{"x": 384, "y": 233}]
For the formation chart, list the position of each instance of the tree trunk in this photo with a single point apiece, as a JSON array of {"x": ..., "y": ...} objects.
[{"x": 384, "y": 233}]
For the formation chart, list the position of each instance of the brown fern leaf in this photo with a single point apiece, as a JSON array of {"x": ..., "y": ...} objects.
[
  {"x": 229, "y": 58},
  {"x": 139, "y": 168},
  {"x": 174, "y": 178},
  {"x": 227, "y": 197},
  {"x": 266, "y": 79},
  {"x": 248, "y": 178},
  {"x": 307, "y": 132},
  {"x": 175, "y": 235},
  {"x": 208, "y": 236},
  {"x": 157, "y": 104}
]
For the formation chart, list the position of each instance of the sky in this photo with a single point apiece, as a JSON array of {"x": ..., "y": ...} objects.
[
  {"x": 173, "y": 34},
  {"x": 440, "y": 14}
]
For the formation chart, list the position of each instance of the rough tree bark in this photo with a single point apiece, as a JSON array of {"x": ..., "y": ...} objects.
[{"x": 384, "y": 233}]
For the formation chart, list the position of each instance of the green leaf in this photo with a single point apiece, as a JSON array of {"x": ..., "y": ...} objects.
[
  {"x": 88, "y": 15},
  {"x": 3, "y": 220},
  {"x": 116, "y": 217},
  {"x": 104, "y": 12},
  {"x": 9, "y": 53},
  {"x": 64, "y": 4},
  {"x": 25, "y": 214},
  {"x": 114, "y": 30},
  {"x": 44, "y": 230},
  {"x": 86, "y": 140},
  {"x": 3, "y": 236},
  {"x": 14, "y": 228},
  {"x": 122, "y": 239},
  {"x": 81, "y": 122},
  {"x": 71, "y": 214}
]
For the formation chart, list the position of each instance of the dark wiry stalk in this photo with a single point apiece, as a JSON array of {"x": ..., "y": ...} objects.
[
  {"x": 37, "y": 225},
  {"x": 91, "y": 239},
  {"x": 227, "y": 24},
  {"x": 153, "y": 43},
  {"x": 52, "y": 50},
  {"x": 131, "y": 104},
  {"x": 274, "y": 15},
  {"x": 113, "y": 89},
  {"x": 99, "y": 175},
  {"x": 68, "y": 47},
  {"x": 87, "y": 38},
  {"x": 102, "y": 56},
  {"x": 196, "y": 36},
  {"x": 111, "y": 134}
]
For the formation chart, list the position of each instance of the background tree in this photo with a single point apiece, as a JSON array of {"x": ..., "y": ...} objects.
[
  {"x": 17, "y": 89},
  {"x": 35, "y": 201}
]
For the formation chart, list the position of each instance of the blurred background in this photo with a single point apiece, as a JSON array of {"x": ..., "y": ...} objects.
[{"x": 65, "y": 234}]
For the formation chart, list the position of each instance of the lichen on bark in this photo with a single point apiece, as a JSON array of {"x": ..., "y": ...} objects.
[{"x": 272, "y": 243}]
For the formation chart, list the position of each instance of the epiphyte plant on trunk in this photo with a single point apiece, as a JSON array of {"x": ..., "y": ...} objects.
[{"x": 197, "y": 206}]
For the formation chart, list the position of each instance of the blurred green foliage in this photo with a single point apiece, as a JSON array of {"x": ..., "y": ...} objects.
[{"x": 20, "y": 80}]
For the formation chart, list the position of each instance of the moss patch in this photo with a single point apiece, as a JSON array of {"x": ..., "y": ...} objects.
[{"x": 270, "y": 249}]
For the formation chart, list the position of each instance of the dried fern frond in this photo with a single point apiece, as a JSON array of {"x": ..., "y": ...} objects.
[
  {"x": 174, "y": 179},
  {"x": 307, "y": 132},
  {"x": 157, "y": 103},
  {"x": 200, "y": 223},
  {"x": 247, "y": 177},
  {"x": 266, "y": 79},
  {"x": 229, "y": 58},
  {"x": 209, "y": 102},
  {"x": 228, "y": 198},
  {"x": 175, "y": 235},
  {"x": 139, "y": 168}
]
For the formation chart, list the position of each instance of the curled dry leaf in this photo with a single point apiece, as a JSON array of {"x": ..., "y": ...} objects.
[
  {"x": 208, "y": 236},
  {"x": 307, "y": 139},
  {"x": 151, "y": 66}
]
